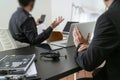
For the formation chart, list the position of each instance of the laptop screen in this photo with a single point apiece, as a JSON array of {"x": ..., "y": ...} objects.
[{"x": 68, "y": 25}]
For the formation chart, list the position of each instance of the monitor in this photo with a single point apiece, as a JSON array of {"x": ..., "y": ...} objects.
[{"x": 67, "y": 27}]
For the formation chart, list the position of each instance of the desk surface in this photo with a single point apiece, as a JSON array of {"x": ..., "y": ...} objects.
[{"x": 49, "y": 70}]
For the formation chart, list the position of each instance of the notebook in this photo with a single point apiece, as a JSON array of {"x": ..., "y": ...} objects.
[{"x": 16, "y": 64}]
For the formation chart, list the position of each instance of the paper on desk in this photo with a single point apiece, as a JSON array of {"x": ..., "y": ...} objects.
[
  {"x": 54, "y": 47},
  {"x": 2, "y": 78},
  {"x": 31, "y": 71}
]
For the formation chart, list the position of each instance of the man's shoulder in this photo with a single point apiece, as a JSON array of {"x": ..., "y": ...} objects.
[
  {"x": 114, "y": 11},
  {"x": 19, "y": 17},
  {"x": 103, "y": 17}
]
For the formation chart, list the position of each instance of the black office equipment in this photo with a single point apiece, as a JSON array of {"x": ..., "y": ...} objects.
[
  {"x": 55, "y": 56},
  {"x": 18, "y": 77},
  {"x": 16, "y": 64},
  {"x": 67, "y": 27}
]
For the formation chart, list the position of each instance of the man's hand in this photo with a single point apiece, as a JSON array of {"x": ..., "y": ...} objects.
[
  {"x": 83, "y": 47},
  {"x": 38, "y": 22},
  {"x": 78, "y": 37},
  {"x": 57, "y": 22}
]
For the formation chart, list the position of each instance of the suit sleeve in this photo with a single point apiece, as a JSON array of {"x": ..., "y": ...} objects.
[
  {"x": 30, "y": 31},
  {"x": 104, "y": 43}
]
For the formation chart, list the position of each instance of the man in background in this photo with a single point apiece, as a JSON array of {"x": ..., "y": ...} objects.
[{"x": 23, "y": 28}]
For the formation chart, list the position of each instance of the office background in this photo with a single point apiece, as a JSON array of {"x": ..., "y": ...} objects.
[{"x": 71, "y": 10}]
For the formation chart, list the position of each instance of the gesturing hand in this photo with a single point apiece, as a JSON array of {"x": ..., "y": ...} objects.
[
  {"x": 78, "y": 37},
  {"x": 83, "y": 47},
  {"x": 38, "y": 22},
  {"x": 57, "y": 22}
]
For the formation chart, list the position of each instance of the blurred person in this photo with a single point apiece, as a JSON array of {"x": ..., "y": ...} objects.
[
  {"x": 104, "y": 46},
  {"x": 23, "y": 28}
]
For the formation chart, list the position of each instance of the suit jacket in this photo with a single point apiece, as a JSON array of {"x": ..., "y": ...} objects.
[
  {"x": 23, "y": 28},
  {"x": 105, "y": 46}
]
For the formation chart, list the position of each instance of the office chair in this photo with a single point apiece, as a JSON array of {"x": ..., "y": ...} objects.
[
  {"x": 7, "y": 42},
  {"x": 1, "y": 48},
  {"x": 55, "y": 36}
]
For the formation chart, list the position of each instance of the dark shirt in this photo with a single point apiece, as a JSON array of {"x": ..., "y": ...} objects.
[
  {"x": 23, "y": 28},
  {"x": 105, "y": 46}
]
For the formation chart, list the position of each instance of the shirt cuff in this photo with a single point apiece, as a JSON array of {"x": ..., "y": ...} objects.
[
  {"x": 76, "y": 53},
  {"x": 50, "y": 28}
]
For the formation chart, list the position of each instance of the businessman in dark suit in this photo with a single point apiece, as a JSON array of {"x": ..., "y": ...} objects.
[
  {"x": 105, "y": 45},
  {"x": 23, "y": 28}
]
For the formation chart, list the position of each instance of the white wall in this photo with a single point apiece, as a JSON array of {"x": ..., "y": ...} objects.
[
  {"x": 93, "y": 5},
  {"x": 7, "y": 7},
  {"x": 43, "y": 7},
  {"x": 52, "y": 8},
  {"x": 63, "y": 8}
]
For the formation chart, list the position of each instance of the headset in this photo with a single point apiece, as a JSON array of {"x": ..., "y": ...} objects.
[{"x": 55, "y": 56}]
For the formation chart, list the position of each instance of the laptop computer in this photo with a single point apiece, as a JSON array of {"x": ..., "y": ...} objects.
[
  {"x": 67, "y": 27},
  {"x": 85, "y": 28}
]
